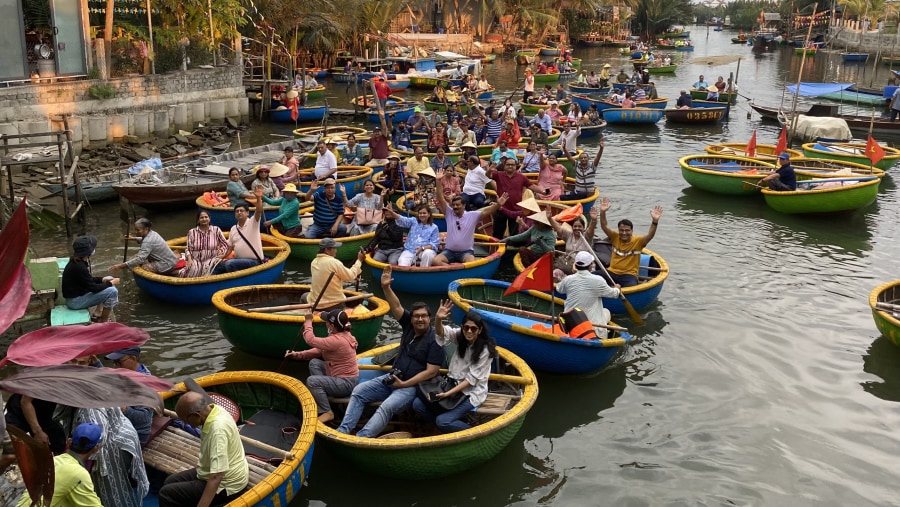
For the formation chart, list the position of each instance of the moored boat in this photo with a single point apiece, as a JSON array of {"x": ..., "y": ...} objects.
[
  {"x": 828, "y": 168},
  {"x": 730, "y": 97},
  {"x": 662, "y": 69},
  {"x": 304, "y": 113},
  {"x": 885, "y": 303},
  {"x": 632, "y": 116},
  {"x": 592, "y": 130},
  {"x": 549, "y": 51},
  {"x": 763, "y": 151},
  {"x": 724, "y": 174},
  {"x": 173, "y": 190},
  {"x": 512, "y": 392},
  {"x": 828, "y": 195},
  {"x": 200, "y": 290},
  {"x": 271, "y": 333},
  {"x": 851, "y": 152},
  {"x": 312, "y": 134},
  {"x": 854, "y": 57},
  {"x": 434, "y": 279},
  {"x": 696, "y": 115},
  {"x": 531, "y": 109},
  {"x": 521, "y": 322},
  {"x": 306, "y": 249},
  {"x": 256, "y": 399},
  {"x": 546, "y": 78}
]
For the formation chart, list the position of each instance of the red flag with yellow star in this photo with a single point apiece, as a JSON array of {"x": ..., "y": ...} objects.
[
  {"x": 538, "y": 276},
  {"x": 874, "y": 151}
]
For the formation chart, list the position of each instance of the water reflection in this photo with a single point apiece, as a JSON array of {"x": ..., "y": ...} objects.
[{"x": 882, "y": 359}]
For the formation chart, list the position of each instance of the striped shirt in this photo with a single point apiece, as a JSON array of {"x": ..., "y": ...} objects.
[
  {"x": 494, "y": 127},
  {"x": 326, "y": 210},
  {"x": 585, "y": 177}
]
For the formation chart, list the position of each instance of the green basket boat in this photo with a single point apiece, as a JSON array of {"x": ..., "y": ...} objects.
[
  {"x": 269, "y": 334},
  {"x": 724, "y": 174},
  {"x": 246, "y": 394},
  {"x": 730, "y": 97},
  {"x": 427, "y": 454},
  {"x": 763, "y": 151},
  {"x": 442, "y": 106},
  {"x": 427, "y": 82},
  {"x": 307, "y": 249},
  {"x": 663, "y": 69},
  {"x": 546, "y": 78},
  {"x": 885, "y": 303},
  {"x": 851, "y": 152},
  {"x": 825, "y": 195},
  {"x": 534, "y": 108}
]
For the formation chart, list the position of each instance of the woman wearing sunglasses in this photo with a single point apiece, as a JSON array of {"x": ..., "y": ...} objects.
[{"x": 470, "y": 367}]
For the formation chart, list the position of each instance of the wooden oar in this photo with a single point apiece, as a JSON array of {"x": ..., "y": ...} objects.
[
  {"x": 888, "y": 307},
  {"x": 265, "y": 248},
  {"x": 630, "y": 309},
  {"x": 512, "y": 379},
  {"x": 312, "y": 308},
  {"x": 748, "y": 184},
  {"x": 251, "y": 441},
  {"x": 535, "y": 315},
  {"x": 284, "y": 308}
]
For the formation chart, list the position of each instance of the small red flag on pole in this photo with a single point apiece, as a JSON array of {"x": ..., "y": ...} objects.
[
  {"x": 538, "y": 276},
  {"x": 782, "y": 142},
  {"x": 874, "y": 151},
  {"x": 751, "y": 146}
]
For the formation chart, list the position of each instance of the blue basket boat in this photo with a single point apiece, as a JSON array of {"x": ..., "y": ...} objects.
[{"x": 633, "y": 116}]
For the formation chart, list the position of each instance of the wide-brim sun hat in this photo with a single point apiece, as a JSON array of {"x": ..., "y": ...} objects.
[
  {"x": 292, "y": 94},
  {"x": 278, "y": 170},
  {"x": 290, "y": 187},
  {"x": 540, "y": 217},
  {"x": 530, "y": 204},
  {"x": 428, "y": 171}
]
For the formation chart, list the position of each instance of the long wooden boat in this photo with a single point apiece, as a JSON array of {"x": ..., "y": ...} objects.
[
  {"x": 548, "y": 51},
  {"x": 588, "y": 90},
  {"x": 270, "y": 334},
  {"x": 366, "y": 101},
  {"x": 829, "y": 195},
  {"x": 307, "y": 249},
  {"x": 259, "y": 396},
  {"x": 662, "y": 69},
  {"x": 200, "y": 290},
  {"x": 546, "y": 78},
  {"x": 857, "y": 96},
  {"x": 885, "y": 303},
  {"x": 730, "y": 97},
  {"x": 173, "y": 191},
  {"x": 223, "y": 216},
  {"x": 520, "y": 322},
  {"x": 763, "y": 151},
  {"x": 304, "y": 113},
  {"x": 585, "y": 102},
  {"x": 653, "y": 273},
  {"x": 696, "y": 115},
  {"x": 426, "y": 454},
  {"x": 724, "y": 174},
  {"x": 633, "y": 116},
  {"x": 398, "y": 83},
  {"x": 434, "y": 279},
  {"x": 851, "y": 152},
  {"x": 712, "y": 104},
  {"x": 857, "y": 123},
  {"x": 531, "y": 109}
]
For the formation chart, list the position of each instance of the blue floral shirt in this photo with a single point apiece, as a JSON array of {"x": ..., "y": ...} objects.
[{"x": 419, "y": 234}]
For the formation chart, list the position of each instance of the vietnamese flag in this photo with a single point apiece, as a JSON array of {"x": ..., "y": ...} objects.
[
  {"x": 874, "y": 151},
  {"x": 782, "y": 142},
  {"x": 294, "y": 112},
  {"x": 751, "y": 146},
  {"x": 538, "y": 276}
]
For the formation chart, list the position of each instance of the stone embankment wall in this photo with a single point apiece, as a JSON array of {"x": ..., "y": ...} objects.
[
  {"x": 143, "y": 106},
  {"x": 854, "y": 37}
]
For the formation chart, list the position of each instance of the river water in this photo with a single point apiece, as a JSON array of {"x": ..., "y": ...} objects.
[{"x": 758, "y": 378}]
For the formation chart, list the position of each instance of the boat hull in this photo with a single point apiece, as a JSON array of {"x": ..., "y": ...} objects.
[
  {"x": 270, "y": 334},
  {"x": 304, "y": 113},
  {"x": 588, "y": 131},
  {"x": 400, "y": 114},
  {"x": 223, "y": 216},
  {"x": 696, "y": 115},
  {"x": 763, "y": 151},
  {"x": 720, "y": 174},
  {"x": 632, "y": 116},
  {"x": 730, "y": 97},
  {"x": 173, "y": 194},
  {"x": 662, "y": 69},
  {"x": 860, "y": 192},
  {"x": 307, "y": 249},
  {"x": 817, "y": 150},
  {"x": 542, "y": 350},
  {"x": 532, "y": 109},
  {"x": 886, "y": 322},
  {"x": 546, "y": 78},
  {"x": 587, "y": 90}
]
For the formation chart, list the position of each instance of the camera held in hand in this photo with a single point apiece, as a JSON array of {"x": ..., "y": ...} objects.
[{"x": 389, "y": 380}]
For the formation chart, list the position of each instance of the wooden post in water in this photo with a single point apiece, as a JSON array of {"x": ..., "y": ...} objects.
[{"x": 800, "y": 78}]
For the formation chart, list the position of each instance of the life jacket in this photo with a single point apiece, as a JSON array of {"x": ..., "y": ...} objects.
[{"x": 577, "y": 324}]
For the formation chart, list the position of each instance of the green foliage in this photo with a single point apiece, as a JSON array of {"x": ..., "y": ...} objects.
[
  {"x": 579, "y": 22},
  {"x": 102, "y": 91},
  {"x": 745, "y": 13},
  {"x": 93, "y": 73},
  {"x": 36, "y": 14},
  {"x": 655, "y": 16}
]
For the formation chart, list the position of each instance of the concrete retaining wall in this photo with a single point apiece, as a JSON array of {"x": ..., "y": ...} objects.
[
  {"x": 848, "y": 35},
  {"x": 144, "y": 106}
]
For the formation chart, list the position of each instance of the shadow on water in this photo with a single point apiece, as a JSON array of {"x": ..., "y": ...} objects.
[{"x": 882, "y": 359}]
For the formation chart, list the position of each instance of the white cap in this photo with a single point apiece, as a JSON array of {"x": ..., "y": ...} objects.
[{"x": 583, "y": 259}]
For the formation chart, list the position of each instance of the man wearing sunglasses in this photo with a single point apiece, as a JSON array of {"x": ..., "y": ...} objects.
[{"x": 460, "y": 239}]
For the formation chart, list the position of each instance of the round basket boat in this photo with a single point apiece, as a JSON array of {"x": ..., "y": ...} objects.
[
  {"x": 763, "y": 151},
  {"x": 351, "y": 177},
  {"x": 223, "y": 216},
  {"x": 312, "y": 134},
  {"x": 825, "y": 195},
  {"x": 724, "y": 174},
  {"x": 851, "y": 152},
  {"x": 885, "y": 303},
  {"x": 512, "y": 393},
  {"x": 435, "y": 279},
  {"x": 439, "y": 219},
  {"x": 452, "y": 155},
  {"x": 256, "y": 399},
  {"x": 200, "y": 290},
  {"x": 269, "y": 334},
  {"x": 307, "y": 249}
]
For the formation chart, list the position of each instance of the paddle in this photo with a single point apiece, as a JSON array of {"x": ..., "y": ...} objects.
[
  {"x": 630, "y": 309},
  {"x": 748, "y": 184},
  {"x": 284, "y": 308},
  {"x": 247, "y": 440},
  {"x": 312, "y": 308},
  {"x": 888, "y": 307}
]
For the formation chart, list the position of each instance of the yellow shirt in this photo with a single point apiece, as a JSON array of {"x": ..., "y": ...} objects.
[
  {"x": 221, "y": 451},
  {"x": 72, "y": 486},
  {"x": 322, "y": 266},
  {"x": 413, "y": 166},
  {"x": 626, "y": 257}
]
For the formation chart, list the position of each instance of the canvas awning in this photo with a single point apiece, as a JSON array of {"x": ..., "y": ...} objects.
[{"x": 816, "y": 89}]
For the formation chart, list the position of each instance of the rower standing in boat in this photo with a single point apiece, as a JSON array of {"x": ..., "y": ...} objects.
[
  {"x": 626, "y": 247},
  {"x": 585, "y": 290},
  {"x": 511, "y": 182},
  {"x": 783, "y": 179},
  {"x": 460, "y": 240}
]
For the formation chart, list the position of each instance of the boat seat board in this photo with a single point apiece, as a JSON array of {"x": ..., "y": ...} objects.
[
  {"x": 494, "y": 404},
  {"x": 62, "y": 315}
]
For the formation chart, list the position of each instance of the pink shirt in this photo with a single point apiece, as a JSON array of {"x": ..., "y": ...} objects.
[{"x": 337, "y": 350}]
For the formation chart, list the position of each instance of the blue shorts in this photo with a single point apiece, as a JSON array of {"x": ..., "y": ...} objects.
[{"x": 456, "y": 257}]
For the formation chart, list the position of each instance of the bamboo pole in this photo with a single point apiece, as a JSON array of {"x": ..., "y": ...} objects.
[
  {"x": 272, "y": 309},
  {"x": 800, "y": 79},
  {"x": 534, "y": 314}
]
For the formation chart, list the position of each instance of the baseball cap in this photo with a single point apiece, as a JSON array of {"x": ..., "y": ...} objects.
[
  {"x": 337, "y": 318},
  {"x": 86, "y": 436},
  {"x": 329, "y": 243},
  {"x": 119, "y": 354},
  {"x": 583, "y": 259},
  {"x": 329, "y": 181},
  {"x": 785, "y": 155}
]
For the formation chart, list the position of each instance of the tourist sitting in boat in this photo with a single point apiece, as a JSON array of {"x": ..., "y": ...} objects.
[
  {"x": 501, "y": 150},
  {"x": 560, "y": 93},
  {"x": 626, "y": 247},
  {"x": 684, "y": 100},
  {"x": 471, "y": 84},
  {"x": 129, "y": 358},
  {"x": 585, "y": 173},
  {"x": 483, "y": 84},
  {"x": 433, "y": 119},
  {"x": 387, "y": 245},
  {"x": 236, "y": 190},
  {"x": 582, "y": 79},
  {"x": 476, "y": 179},
  {"x": 720, "y": 84},
  {"x": 420, "y": 358},
  {"x": 351, "y": 153},
  {"x": 465, "y": 135},
  {"x": 538, "y": 134},
  {"x": 155, "y": 255},
  {"x": 449, "y": 184},
  {"x": 552, "y": 177},
  {"x": 460, "y": 241},
  {"x": 510, "y": 135},
  {"x": 616, "y": 96},
  {"x": 423, "y": 239},
  {"x": 333, "y": 367},
  {"x": 628, "y": 102},
  {"x": 636, "y": 77},
  {"x": 205, "y": 243},
  {"x": 243, "y": 239},
  {"x": 326, "y": 163},
  {"x": 293, "y": 168},
  {"x": 458, "y": 73},
  {"x": 542, "y": 68},
  {"x": 565, "y": 66},
  {"x": 552, "y": 68},
  {"x": 700, "y": 84},
  {"x": 265, "y": 182},
  {"x": 378, "y": 149},
  {"x": 667, "y": 60},
  {"x": 221, "y": 464},
  {"x": 418, "y": 122},
  {"x": 536, "y": 240},
  {"x": 712, "y": 93},
  {"x": 327, "y": 289},
  {"x": 585, "y": 291},
  {"x": 576, "y": 237},
  {"x": 81, "y": 289},
  {"x": 414, "y": 166},
  {"x": 470, "y": 369},
  {"x": 593, "y": 80},
  {"x": 453, "y": 130},
  {"x": 440, "y": 160},
  {"x": 310, "y": 81},
  {"x": 494, "y": 126},
  {"x": 592, "y": 116},
  {"x": 650, "y": 89},
  {"x": 531, "y": 161},
  {"x": 401, "y": 137},
  {"x": 522, "y": 121},
  {"x": 639, "y": 94},
  {"x": 328, "y": 217},
  {"x": 568, "y": 138},
  {"x": 510, "y": 181},
  {"x": 468, "y": 149},
  {"x": 438, "y": 139},
  {"x": 451, "y": 96},
  {"x": 783, "y": 179},
  {"x": 546, "y": 95},
  {"x": 480, "y": 130},
  {"x": 649, "y": 57},
  {"x": 394, "y": 175},
  {"x": 426, "y": 188},
  {"x": 542, "y": 120},
  {"x": 288, "y": 220},
  {"x": 575, "y": 115}
]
